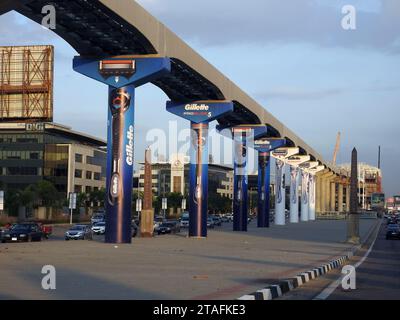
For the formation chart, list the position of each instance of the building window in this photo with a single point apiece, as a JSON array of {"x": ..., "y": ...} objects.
[
  {"x": 78, "y": 158},
  {"x": 22, "y": 171},
  {"x": 78, "y": 189},
  {"x": 88, "y": 189},
  {"x": 34, "y": 156},
  {"x": 89, "y": 175},
  {"x": 27, "y": 140},
  {"x": 78, "y": 173},
  {"x": 97, "y": 176}
]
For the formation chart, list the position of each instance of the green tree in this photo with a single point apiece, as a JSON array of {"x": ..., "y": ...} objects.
[
  {"x": 46, "y": 194},
  {"x": 97, "y": 197},
  {"x": 219, "y": 204}
]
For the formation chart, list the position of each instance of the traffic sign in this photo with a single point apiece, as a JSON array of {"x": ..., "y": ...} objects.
[
  {"x": 164, "y": 203},
  {"x": 139, "y": 205},
  {"x": 72, "y": 200},
  {"x": 1, "y": 200}
]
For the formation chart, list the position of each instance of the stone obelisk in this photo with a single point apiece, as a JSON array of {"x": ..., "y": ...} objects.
[
  {"x": 353, "y": 230},
  {"x": 147, "y": 220}
]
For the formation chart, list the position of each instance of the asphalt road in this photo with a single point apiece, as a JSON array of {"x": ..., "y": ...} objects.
[
  {"x": 378, "y": 278},
  {"x": 226, "y": 265}
]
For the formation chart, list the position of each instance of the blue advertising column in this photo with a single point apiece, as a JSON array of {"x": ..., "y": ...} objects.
[
  {"x": 200, "y": 114},
  {"x": 198, "y": 180},
  {"x": 243, "y": 136},
  {"x": 264, "y": 148},
  {"x": 122, "y": 75},
  {"x": 240, "y": 182},
  {"x": 264, "y": 177}
]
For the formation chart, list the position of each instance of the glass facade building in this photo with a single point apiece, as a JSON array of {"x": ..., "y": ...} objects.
[{"x": 51, "y": 152}]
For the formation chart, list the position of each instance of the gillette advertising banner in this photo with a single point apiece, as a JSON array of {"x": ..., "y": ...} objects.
[
  {"x": 120, "y": 161},
  {"x": 280, "y": 200},
  {"x": 264, "y": 176},
  {"x": 122, "y": 75},
  {"x": 305, "y": 185},
  {"x": 198, "y": 191},
  {"x": 269, "y": 144},
  {"x": 284, "y": 153},
  {"x": 201, "y": 111},
  {"x": 294, "y": 204},
  {"x": 312, "y": 194},
  {"x": 240, "y": 188}
]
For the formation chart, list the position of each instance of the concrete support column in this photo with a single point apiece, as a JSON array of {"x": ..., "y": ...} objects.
[
  {"x": 332, "y": 202},
  {"x": 348, "y": 198},
  {"x": 340, "y": 198},
  {"x": 318, "y": 194},
  {"x": 323, "y": 195},
  {"x": 327, "y": 194}
]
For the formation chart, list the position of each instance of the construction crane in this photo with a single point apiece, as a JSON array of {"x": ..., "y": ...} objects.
[{"x": 336, "y": 149}]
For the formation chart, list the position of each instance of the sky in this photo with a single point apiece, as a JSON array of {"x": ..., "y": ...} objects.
[{"x": 293, "y": 57}]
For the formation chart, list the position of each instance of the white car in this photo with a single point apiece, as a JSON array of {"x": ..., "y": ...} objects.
[
  {"x": 185, "y": 223},
  {"x": 99, "y": 228}
]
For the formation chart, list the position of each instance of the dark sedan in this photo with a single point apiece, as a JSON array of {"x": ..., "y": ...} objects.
[
  {"x": 168, "y": 228},
  {"x": 23, "y": 232},
  {"x": 393, "y": 232}
]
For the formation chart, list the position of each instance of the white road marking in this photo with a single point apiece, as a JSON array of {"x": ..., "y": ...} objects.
[{"x": 333, "y": 286}]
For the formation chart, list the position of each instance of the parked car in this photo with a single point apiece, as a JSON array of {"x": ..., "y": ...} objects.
[
  {"x": 135, "y": 229},
  {"x": 185, "y": 222},
  {"x": 225, "y": 218},
  {"x": 98, "y": 217},
  {"x": 169, "y": 227},
  {"x": 23, "y": 232},
  {"x": 46, "y": 229},
  {"x": 79, "y": 232},
  {"x": 99, "y": 228},
  {"x": 210, "y": 223},
  {"x": 393, "y": 232},
  {"x": 217, "y": 221}
]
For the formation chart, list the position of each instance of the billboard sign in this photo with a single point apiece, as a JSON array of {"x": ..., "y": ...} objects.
[
  {"x": 1, "y": 200},
  {"x": 309, "y": 165},
  {"x": 269, "y": 144},
  {"x": 284, "y": 153},
  {"x": 201, "y": 111},
  {"x": 297, "y": 160},
  {"x": 396, "y": 202},
  {"x": 72, "y": 200},
  {"x": 378, "y": 201},
  {"x": 26, "y": 83}
]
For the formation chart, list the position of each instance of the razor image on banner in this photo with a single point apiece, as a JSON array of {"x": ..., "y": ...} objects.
[{"x": 120, "y": 101}]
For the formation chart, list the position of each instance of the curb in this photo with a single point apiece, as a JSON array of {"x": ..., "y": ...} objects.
[{"x": 277, "y": 290}]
